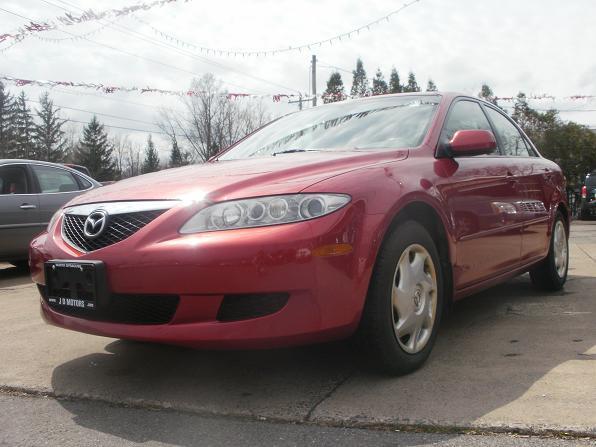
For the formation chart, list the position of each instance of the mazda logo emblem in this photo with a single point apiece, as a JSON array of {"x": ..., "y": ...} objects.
[{"x": 95, "y": 224}]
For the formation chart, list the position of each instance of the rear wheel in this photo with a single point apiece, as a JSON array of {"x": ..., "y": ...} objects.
[
  {"x": 551, "y": 273},
  {"x": 405, "y": 301}
]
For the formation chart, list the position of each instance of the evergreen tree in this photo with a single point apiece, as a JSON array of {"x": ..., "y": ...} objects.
[
  {"x": 487, "y": 94},
  {"x": 335, "y": 89},
  {"x": 7, "y": 149},
  {"x": 177, "y": 157},
  {"x": 431, "y": 86},
  {"x": 412, "y": 85},
  {"x": 151, "y": 162},
  {"x": 49, "y": 136},
  {"x": 394, "y": 82},
  {"x": 379, "y": 84},
  {"x": 360, "y": 81},
  {"x": 95, "y": 152},
  {"x": 24, "y": 129}
]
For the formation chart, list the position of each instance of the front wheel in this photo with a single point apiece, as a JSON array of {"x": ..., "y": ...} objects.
[
  {"x": 551, "y": 273},
  {"x": 405, "y": 301}
]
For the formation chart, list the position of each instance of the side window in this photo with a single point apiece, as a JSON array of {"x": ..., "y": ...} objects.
[
  {"x": 512, "y": 142},
  {"x": 464, "y": 115},
  {"x": 13, "y": 180},
  {"x": 85, "y": 184},
  {"x": 54, "y": 179}
]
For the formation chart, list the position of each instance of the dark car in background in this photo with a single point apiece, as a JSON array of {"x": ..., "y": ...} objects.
[
  {"x": 588, "y": 201},
  {"x": 30, "y": 193}
]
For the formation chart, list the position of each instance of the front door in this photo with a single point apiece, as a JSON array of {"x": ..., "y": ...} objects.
[
  {"x": 535, "y": 180},
  {"x": 481, "y": 192}
]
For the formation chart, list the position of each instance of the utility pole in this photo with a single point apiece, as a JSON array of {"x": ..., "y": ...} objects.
[{"x": 314, "y": 80}]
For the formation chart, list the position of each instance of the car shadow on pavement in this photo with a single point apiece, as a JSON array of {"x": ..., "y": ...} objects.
[
  {"x": 11, "y": 276},
  {"x": 489, "y": 364}
]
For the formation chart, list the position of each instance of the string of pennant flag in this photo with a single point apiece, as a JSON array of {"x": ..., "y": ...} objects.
[
  {"x": 276, "y": 97},
  {"x": 33, "y": 28},
  {"x": 69, "y": 19},
  {"x": 273, "y": 51},
  {"x": 104, "y": 88}
]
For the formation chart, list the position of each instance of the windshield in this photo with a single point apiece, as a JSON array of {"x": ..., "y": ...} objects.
[{"x": 383, "y": 122}]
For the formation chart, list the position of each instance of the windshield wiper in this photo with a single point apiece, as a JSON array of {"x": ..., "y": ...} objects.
[{"x": 293, "y": 151}]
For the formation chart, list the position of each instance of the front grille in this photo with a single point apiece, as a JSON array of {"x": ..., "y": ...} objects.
[
  {"x": 124, "y": 308},
  {"x": 118, "y": 228}
]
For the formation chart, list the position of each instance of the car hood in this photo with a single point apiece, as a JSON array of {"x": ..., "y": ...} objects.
[{"x": 233, "y": 179}]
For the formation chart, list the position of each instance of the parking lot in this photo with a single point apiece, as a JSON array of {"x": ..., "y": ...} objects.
[{"x": 508, "y": 359}]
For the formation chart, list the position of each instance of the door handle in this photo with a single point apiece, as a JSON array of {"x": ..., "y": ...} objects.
[{"x": 27, "y": 206}]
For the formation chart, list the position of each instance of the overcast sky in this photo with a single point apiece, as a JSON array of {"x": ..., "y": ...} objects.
[{"x": 535, "y": 46}]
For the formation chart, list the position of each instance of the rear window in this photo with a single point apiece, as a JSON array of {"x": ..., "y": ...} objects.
[{"x": 54, "y": 180}]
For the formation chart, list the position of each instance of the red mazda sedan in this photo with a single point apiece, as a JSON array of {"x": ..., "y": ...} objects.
[{"x": 364, "y": 217}]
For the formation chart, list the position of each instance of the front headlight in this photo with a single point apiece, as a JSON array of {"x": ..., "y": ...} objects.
[
  {"x": 53, "y": 220},
  {"x": 262, "y": 211}
]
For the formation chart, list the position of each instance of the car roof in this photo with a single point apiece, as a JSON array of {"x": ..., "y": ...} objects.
[
  {"x": 446, "y": 97},
  {"x": 6, "y": 161}
]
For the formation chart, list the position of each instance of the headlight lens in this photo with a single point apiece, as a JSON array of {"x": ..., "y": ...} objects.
[
  {"x": 53, "y": 220},
  {"x": 262, "y": 211}
]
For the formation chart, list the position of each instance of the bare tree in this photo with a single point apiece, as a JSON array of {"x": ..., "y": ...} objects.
[
  {"x": 120, "y": 143},
  {"x": 133, "y": 159},
  {"x": 210, "y": 120}
]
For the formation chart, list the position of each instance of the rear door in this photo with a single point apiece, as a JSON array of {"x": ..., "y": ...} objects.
[
  {"x": 19, "y": 211},
  {"x": 56, "y": 187},
  {"x": 481, "y": 194},
  {"x": 535, "y": 176}
]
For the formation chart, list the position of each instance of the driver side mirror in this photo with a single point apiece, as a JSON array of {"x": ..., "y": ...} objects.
[{"x": 471, "y": 142}]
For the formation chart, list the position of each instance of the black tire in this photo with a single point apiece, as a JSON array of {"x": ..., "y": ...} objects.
[
  {"x": 376, "y": 336},
  {"x": 545, "y": 275}
]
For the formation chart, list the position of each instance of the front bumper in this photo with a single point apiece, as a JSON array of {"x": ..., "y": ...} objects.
[{"x": 326, "y": 287}]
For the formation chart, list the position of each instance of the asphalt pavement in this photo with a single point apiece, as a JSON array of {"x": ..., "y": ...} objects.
[
  {"x": 510, "y": 359},
  {"x": 41, "y": 421}
]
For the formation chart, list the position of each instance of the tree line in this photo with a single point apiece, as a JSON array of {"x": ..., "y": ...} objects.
[
  {"x": 205, "y": 124},
  {"x": 361, "y": 86},
  {"x": 569, "y": 144},
  {"x": 40, "y": 134}
]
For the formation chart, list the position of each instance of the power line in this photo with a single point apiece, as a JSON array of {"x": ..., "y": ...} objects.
[
  {"x": 335, "y": 67},
  {"x": 98, "y": 113},
  {"x": 109, "y": 98},
  {"x": 173, "y": 48},
  {"x": 121, "y": 127},
  {"x": 116, "y": 49},
  {"x": 71, "y": 19}
]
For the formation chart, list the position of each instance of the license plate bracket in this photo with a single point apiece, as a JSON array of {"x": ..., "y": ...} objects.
[{"x": 75, "y": 284}]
